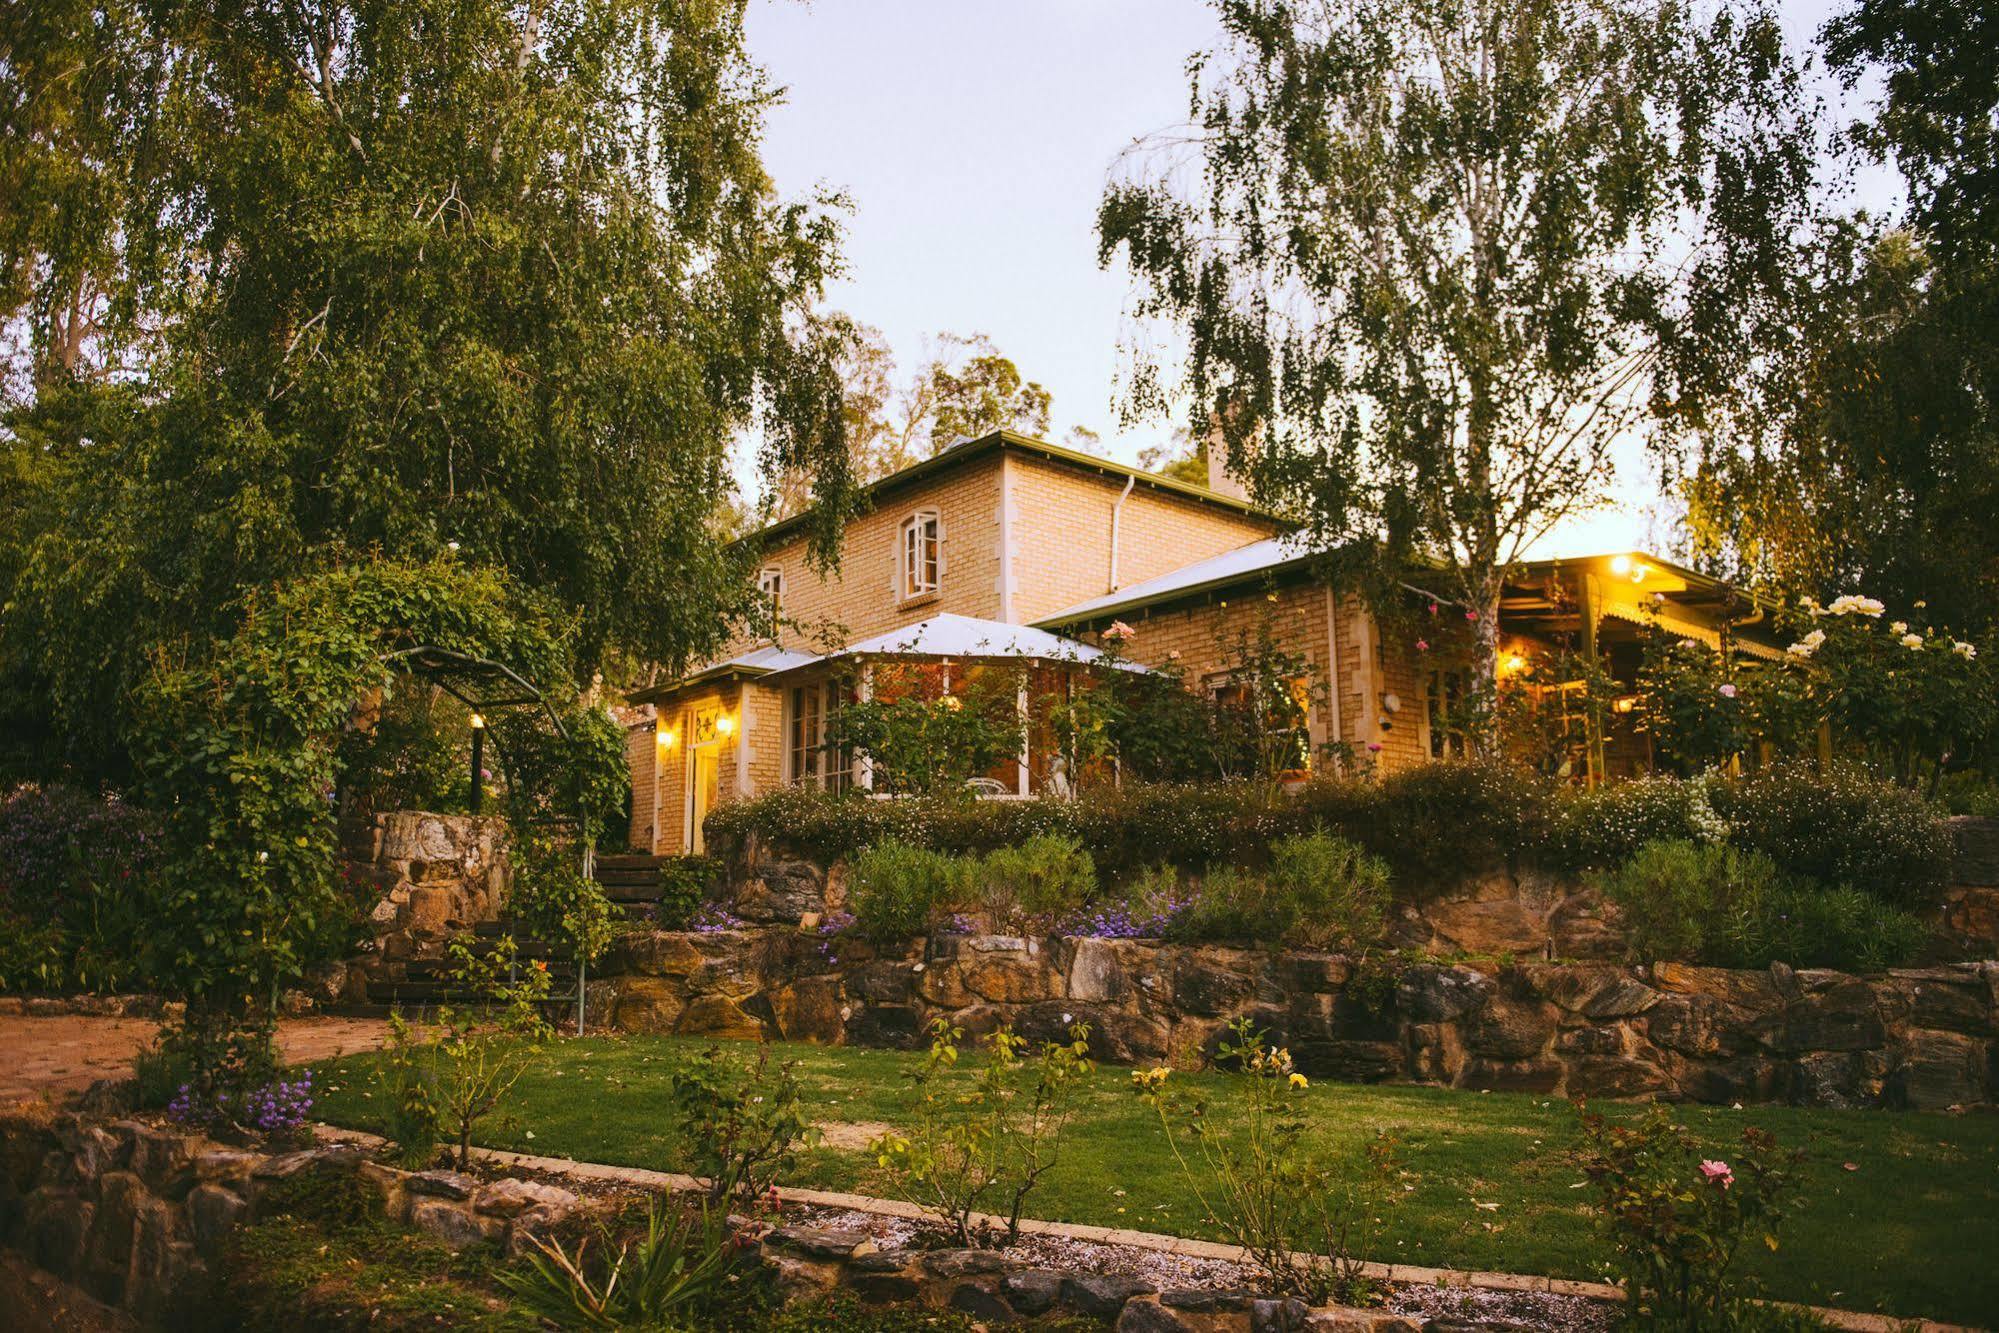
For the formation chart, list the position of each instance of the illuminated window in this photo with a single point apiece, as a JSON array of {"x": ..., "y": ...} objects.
[
  {"x": 921, "y": 558},
  {"x": 1448, "y": 703},
  {"x": 810, "y": 758}
]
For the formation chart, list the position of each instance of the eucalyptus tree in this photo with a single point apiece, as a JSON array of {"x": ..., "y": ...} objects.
[
  {"x": 1436, "y": 259},
  {"x": 413, "y": 277}
]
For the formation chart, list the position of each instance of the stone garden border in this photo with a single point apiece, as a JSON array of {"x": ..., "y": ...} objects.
[{"x": 1852, "y": 1321}]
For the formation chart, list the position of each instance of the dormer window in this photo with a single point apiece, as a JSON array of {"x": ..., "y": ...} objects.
[
  {"x": 770, "y": 586},
  {"x": 921, "y": 557}
]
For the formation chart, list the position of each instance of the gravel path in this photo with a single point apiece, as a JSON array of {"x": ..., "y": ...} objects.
[{"x": 51, "y": 1056}]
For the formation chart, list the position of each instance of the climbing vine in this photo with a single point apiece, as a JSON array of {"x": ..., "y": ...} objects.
[{"x": 240, "y": 752}]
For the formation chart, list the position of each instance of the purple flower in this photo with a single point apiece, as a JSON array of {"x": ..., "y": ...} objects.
[{"x": 710, "y": 918}]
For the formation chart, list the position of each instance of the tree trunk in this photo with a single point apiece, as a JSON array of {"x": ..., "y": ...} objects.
[{"x": 1482, "y": 727}]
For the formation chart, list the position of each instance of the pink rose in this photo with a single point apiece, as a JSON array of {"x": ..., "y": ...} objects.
[
  {"x": 1718, "y": 1172},
  {"x": 1727, "y": 691},
  {"x": 1374, "y": 747},
  {"x": 1433, "y": 608},
  {"x": 1471, "y": 615},
  {"x": 1422, "y": 645}
]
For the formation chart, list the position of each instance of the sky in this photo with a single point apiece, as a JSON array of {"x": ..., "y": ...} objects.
[{"x": 974, "y": 139}]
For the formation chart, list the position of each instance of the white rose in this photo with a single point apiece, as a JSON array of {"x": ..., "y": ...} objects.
[{"x": 1912, "y": 640}]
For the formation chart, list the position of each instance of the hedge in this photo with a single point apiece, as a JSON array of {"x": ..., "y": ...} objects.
[{"x": 1434, "y": 824}]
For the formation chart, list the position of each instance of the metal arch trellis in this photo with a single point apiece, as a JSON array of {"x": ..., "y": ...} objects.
[{"x": 483, "y": 685}]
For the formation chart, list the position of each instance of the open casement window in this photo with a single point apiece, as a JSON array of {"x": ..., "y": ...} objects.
[
  {"x": 770, "y": 588},
  {"x": 810, "y": 760},
  {"x": 920, "y": 559},
  {"x": 1444, "y": 712}
]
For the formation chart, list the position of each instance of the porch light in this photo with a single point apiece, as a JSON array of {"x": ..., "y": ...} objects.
[
  {"x": 478, "y": 722},
  {"x": 1625, "y": 567},
  {"x": 724, "y": 725},
  {"x": 1514, "y": 662},
  {"x": 667, "y": 738},
  {"x": 1624, "y": 703}
]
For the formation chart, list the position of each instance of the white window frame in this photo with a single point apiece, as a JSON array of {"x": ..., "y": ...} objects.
[
  {"x": 770, "y": 585},
  {"x": 914, "y": 575},
  {"x": 807, "y": 762}
]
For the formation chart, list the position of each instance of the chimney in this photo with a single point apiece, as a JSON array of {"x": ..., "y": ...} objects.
[{"x": 1220, "y": 480}]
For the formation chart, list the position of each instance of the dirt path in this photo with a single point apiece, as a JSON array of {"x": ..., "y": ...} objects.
[{"x": 44, "y": 1056}]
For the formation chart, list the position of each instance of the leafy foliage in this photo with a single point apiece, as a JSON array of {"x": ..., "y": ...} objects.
[
  {"x": 1434, "y": 259},
  {"x": 73, "y": 875},
  {"x": 1675, "y": 1222},
  {"x": 741, "y": 1122},
  {"x": 991, "y": 1135},
  {"x": 1266, "y": 1183},
  {"x": 549, "y": 899},
  {"x": 1035, "y": 880},
  {"x": 680, "y": 1263},
  {"x": 894, "y": 889}
]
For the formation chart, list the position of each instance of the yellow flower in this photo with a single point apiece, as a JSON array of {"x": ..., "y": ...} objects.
[{"x": 1300, "y": 1081}]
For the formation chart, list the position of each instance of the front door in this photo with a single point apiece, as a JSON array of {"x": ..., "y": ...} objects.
[{"x": 704, "y": 775}]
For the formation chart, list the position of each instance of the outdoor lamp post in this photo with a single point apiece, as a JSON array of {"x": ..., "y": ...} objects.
[{"x": 478, "y": 760}]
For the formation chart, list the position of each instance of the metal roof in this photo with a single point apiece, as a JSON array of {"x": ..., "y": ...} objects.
[
  {"x": 763, "y": 661},
  {"x": 952, "y": 635},
  {"x": 1224, "y": 570}
]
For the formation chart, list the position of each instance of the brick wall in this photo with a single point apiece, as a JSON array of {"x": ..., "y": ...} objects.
[
  {"x": 1061, "y": 531},
  {"x": 1204, "y": 639}
]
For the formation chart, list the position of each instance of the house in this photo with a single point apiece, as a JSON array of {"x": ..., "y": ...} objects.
[{"x": 1010, "y": 550}]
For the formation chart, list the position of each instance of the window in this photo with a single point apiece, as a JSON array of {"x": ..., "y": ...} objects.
[
  {"x": 1445, "y": 713},
  {"x": 770, "y": 583},
  {"x": 921, "y": 558},
  {"x": 809, "y": 761}
]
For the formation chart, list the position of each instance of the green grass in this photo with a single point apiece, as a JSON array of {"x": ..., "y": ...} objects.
[{"x": 1911, "y": 1231}]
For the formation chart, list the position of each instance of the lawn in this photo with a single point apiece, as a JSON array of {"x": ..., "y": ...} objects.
[{"x": 1900, "y": 1211}]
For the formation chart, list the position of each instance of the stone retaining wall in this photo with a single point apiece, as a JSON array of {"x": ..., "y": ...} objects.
[
  {"x": 1917, "y": 1038},
  {"x": 135, "y": 1214},
  {"x": 437, "y": 876}
]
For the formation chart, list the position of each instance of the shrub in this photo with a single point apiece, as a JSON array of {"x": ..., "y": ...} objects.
[
  {"x": 206, "y": 1062},
  {"x": 1675, "y": 1222},
  {"x": 1718, "y": 905},
  {"x": 1329, "y": 893},
  {"x": 894, "y": 889},
  {"x": 993, "y": 1134},
  {"x": 685, "y": 882},
  {"x": 1597, "y": 828},
  {"x": 683, "y": 1262},
  {"x": 739, "y": 1122},
  {"x": 1682, "y": 900},
  {"x": 1041, "y": 878},
  {"x": 550, "y": 900},
  {"x": 1269, "y": 1185},
  {"x": 74, "y": 869},
  {"x": 1842, "y": 827},
  {"x": 1439, "y": 822}
]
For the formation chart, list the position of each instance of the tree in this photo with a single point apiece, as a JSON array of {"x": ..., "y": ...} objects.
[
  {"x": 471, "y": 276},
  {"x": 1435, "y": 258},
  {"x": 1868, "y": 458},
  {"x": 964, "y": 388}
]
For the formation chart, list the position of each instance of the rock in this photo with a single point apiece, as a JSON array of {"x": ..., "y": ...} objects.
[
  {"x": 648, "y": 1004},
  {"x": 1745, "y": 1079},
  {"x": 718, "y": 1016},
  {"x": 1096, "y": 970},
  {"x": 1950, "y": 1002},
  {"x": 158, "y": 1155},
  {"x": 1488, "y": 926},
  {"x": 808, "y": 1010},
  {"x": 1205, "y": 1300},
  {"x": 212, "y": 1213},
  {"x": 784, "y": 892},
  {"x": 1975, "y": 848},
  {"x": 1032, "y": 1291},
  {"x": 974, "y": 1300},
  {"x": 1591, "y": 989},
  {"x": 1843, "y": 1017},
  {"x": 1147, "y": 1315},
  {"x": 1511, "y": 1029},
  {"x": 1689, "y": 1024},
  {"x": 1102, "y": 1295},
  {"x": 458, "y": 1227},
  {"x": 54, "y": 1224},
  {"x": 1605, "y": 1040},
  {"x": 1938, "y": 1070},
  {"x": 1348, "y": 1061},
  {"x": 885, "y": 982},
  {"x": 1209, "y": 989},
  {"x": 225, "y": 1166},
  {"x": 1839, "y": 1078},
  {"x": 1615, "y": 1076},
  {"x": 896, "y": 1026},
  {"x": 1011, "y": 978},
  {"x": 963, "y": 1263},
  {"x": 1431, "y": 994},
  {"x": 1278, "y": 1316},
  {"x": 885, "y": 1288},
  {"x": 512, "y": 1196},
  {"x": 442, "y": 1184},
  {"x": 820, "y": 1242}
]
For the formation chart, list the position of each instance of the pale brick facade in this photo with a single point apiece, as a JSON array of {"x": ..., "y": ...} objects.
[{"x": 1030, "y": 534}]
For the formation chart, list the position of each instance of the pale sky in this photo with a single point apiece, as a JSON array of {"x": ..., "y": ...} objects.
[{"x": 974, "y": 139}]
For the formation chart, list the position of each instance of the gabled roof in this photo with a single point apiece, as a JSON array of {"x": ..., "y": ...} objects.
[{"x": 994, "y": 442}]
